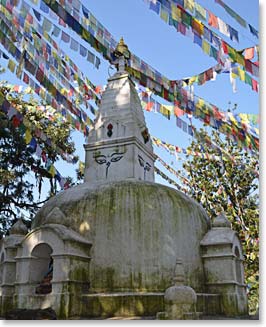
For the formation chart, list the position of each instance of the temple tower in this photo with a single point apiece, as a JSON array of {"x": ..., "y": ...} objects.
[{"x": 119, "y": 146}]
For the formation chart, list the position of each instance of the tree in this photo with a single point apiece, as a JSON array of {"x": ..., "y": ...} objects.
[
  {"x": 229, "y": 185},
  {"x": 18, "y": 158}
]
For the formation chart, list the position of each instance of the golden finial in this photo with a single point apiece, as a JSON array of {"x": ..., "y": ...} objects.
[{"x": 122, "y": 49}]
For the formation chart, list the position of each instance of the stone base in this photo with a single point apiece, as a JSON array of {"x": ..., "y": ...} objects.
[
  {"x": 103, "y": 305},
  {"x": 122, "y": 304}
]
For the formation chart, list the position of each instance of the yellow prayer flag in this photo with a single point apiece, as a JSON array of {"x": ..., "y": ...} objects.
[
  {"x": 232, "y": 118},
  {"x": 206, "y": 46},
  {"x": 200, "y": 103},
  {"x": 27, "y": 26},
  {"x": 11, "y": 65},
  {"x": 240, "y": 59},
  {"x": 189, "y": 4},
  {"x": 42, "y": 93},
  {"x": 170, "y": 108},
  {"x": 201, "y": 10},
  {"x": 176, "y": 13},
  {"x": 192, "y": 80},
  {"x": 45, "y": 34},
  {"x": 244, "y": 118},
  {"x": 234, "y": 73},
  {"x": 86, "y": 21},
  {"x": 164, "y": 15},
  {"x": 85, "y": 34},
  {"x": 241, "y": 74}
]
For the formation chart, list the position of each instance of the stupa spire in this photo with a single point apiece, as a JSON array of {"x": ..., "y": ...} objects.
[
  {"x": 122, "y": 54},
  {"x": 119, "y": 145}
]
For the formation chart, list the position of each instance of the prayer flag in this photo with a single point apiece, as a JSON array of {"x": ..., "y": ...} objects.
[
  {"x": 11, "y": 65},
  {"x": 224, "y": 47},
  {"x": 65, "y": 37},
  {"x": 74, "y": 44},
  {"x": 178, "y": 122},
  {"x": 200, "y": 12},
  {"x": 197, "y": 26},
  {"x": 233, "y": 34},
  {"x": 97, "y": 62},
  {"x": 207, "y": 35},
  {"x": 189, "y": 4},
  {"x": 82, "y": 50},
  {"x": 186, "y": 18},
  {"x": 85, "y": 11},
  {"x": 44, "y": 7},
  {"x": 37, "y": 14},
  {"x": 182, "y": 28},
  {"x": 155, "y": 6},
  {"x": 255, "y": 85},
  {"x": 197, "y": 39},
  {"x": 90, "y": 57},
  {"x": 176, "y": 13},
  {"x": 46, "y": 25},
  {"x": 206, "y": 47},
  {"x": 248, "y": 79},
  {"x": 223, "y": 27},
  {"x": 212, "y": 20},
  {"x": 253, "y": 31},
  {"x": 241, "y": 74},
  {"x": 164, "y": 15},
  {"x": 249, "y": 53}
]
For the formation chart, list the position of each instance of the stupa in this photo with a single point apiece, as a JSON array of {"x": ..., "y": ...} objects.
[{"x": 109, "y": 246}]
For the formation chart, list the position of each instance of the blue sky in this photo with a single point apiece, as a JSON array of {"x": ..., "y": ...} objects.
[{"x": 169, "y": 52}]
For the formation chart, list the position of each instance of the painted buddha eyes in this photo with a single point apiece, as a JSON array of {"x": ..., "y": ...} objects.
[
  {"x": 116, "y": 157},
  {"x": 100, "y": 159}
]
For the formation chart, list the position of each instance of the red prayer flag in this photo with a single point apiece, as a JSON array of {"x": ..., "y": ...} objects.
[
  {"x": 248, "y": 66},
  {"x": 207, "y": 119},
  {"x": 255, "y": 85},
  {"x": 249, "y": 53},
  {"x": 178, "y": 112},
  {"x": 213, "y": 21},
  {"x": 29, "y": 18},
  {"x": 181, "y": 28},
  {"x": 225, "y": 48},
  {"x": 149, "y": 106},
  {"x": 26, "y": 78},
  {"x": 98, "y": 89}
]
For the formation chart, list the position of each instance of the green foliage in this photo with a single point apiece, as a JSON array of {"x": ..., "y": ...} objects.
[
  {"x": 18, "y": 161},
  {"x": 231, "y": 186}
]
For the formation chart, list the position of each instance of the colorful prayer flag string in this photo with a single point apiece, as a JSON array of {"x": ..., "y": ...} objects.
[
  {"x": 238, "y": 18},
  {"x": 191, "y": 27}
]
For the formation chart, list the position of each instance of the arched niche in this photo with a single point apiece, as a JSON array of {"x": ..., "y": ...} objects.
[{"x": 40, "y": 260}]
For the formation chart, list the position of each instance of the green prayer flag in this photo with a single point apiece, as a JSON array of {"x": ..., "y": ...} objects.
[
  {"x": 186, "y": 19},
  {"x": 248, "y": 79}
]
